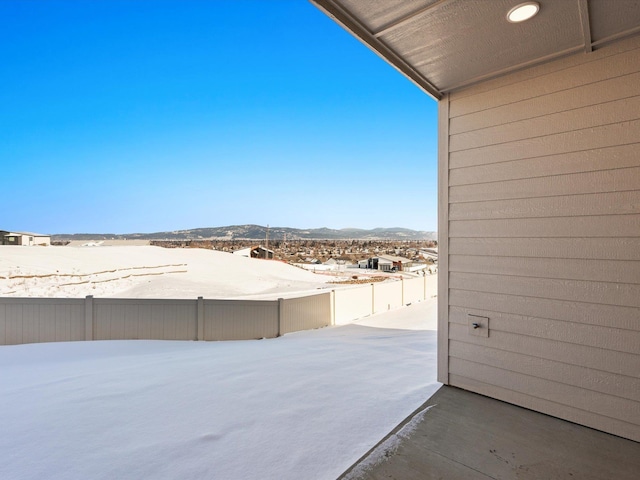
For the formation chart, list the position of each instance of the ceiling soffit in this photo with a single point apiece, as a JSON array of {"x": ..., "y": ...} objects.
[{"x": 443, "y": 45}]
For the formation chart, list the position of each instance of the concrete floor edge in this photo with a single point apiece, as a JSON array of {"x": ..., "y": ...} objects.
[{"x": 393, "y": 432}]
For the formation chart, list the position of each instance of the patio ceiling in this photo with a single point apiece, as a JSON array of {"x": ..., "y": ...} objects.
[{"x": 444, "y": 45}]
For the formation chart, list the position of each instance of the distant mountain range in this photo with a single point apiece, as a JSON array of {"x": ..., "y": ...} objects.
[{"x": 258, "y": 232}]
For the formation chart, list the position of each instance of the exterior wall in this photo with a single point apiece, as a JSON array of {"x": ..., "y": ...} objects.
[
  {"x": 540, "y": 232},
  {"x": 42, "y": 240}
]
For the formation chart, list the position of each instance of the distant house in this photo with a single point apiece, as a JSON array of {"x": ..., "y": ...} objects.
[
  {"x": 388, "y": 263},
  {"x": 255, "y": 252},
  {"x": 336, "y": 261},
  {"x": 429, "y": 255},
  {"x": 335, "y": 264},
  {"x": 23, "y": 238}
]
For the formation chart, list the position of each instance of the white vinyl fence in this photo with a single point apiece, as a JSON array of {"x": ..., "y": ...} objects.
[{"x": 36, "y": 320}]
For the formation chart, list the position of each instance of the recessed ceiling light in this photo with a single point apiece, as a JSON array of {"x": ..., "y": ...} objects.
[{"x": 523, "y": 12}]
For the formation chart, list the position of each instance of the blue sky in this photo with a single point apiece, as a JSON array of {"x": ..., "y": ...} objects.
[{"x": 151, "y": 115}]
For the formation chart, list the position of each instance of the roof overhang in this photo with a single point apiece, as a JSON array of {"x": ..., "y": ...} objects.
[{"x": 446, "y": 45}]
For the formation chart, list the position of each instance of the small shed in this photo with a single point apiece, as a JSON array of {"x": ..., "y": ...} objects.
[
  {"x": 261, "y": 252},
  {"x": 255, "y": 252}
]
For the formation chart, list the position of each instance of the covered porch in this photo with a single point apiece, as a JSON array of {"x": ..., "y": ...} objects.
[{"x": 538, "y": 232}]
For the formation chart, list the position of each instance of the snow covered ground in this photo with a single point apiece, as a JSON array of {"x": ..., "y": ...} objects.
[
  {"x": 303, "y": 406},
  {"x": 146, "y": 272}
]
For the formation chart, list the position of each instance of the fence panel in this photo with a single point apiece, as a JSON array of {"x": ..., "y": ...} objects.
[
  {"x": 352, "y": 303},
  {"x": 150, "y": 319},
  {"x": 431, "y": 286},
  {"x": 240, "y": 319},
  {"x": 38, "y": 320},
  {"x": 305, "y": 313},
  {"x": 414, "y": 289},
  {"x": 386, "y": 296}
]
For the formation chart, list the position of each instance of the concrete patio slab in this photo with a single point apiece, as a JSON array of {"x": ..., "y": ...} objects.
[{"x": 469, "y": 436}]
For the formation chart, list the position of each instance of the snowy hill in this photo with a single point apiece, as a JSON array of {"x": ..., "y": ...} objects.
[{"x": 145, "y": 272}]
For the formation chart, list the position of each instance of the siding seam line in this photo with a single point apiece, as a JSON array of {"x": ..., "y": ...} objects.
[
  {"x": 462, "y": 132},
  {"x": 533, "y": 238},
  {"x": 586, "y": 62},
  {"x": 551, "y": 154},
  {"x": 560, "y": 132},
  {"x": 545, "y": 176},
  {"x": 519, "y": 334},
  {"x": 548, "y": 298},
  {"x": 558, "y": 195},
  {"x": 549, "y": 360},
  {"x": 589, "y": 412}
]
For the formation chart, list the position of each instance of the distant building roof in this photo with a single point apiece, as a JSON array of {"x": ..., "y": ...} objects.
[
  {"x": 394, "y": 258},
  {"x": 10, "y": 234}
]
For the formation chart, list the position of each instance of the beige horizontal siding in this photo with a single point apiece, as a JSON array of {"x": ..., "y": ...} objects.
[
  {"x": 622, "y": 133},
  {"x": 542, "y": 404},
  {"x": 543, "y": 209},
  {"x": 601, "y": 359},
  {"x": 596, "y": 402},
  {"x": 621, "y": 386},
  {"x": 622, "y": 110},
  {"x": 620, "y": 340},
  {"x": 560, "y": 289},
  {"x": 607, "y": 158},
  {"x": 617, "y": 271},
  {"x": 624, "y": 86},
  {"x": 626, "y": 203},
  {"x": 614, "y": 316},
  {"x": 572, "y": 227},
  {"x": 587, "y": 248},
  {"x": 578, "y": 376},
  {"x": 604, "y": 181},
  {"x": 566, "y": 74}
]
